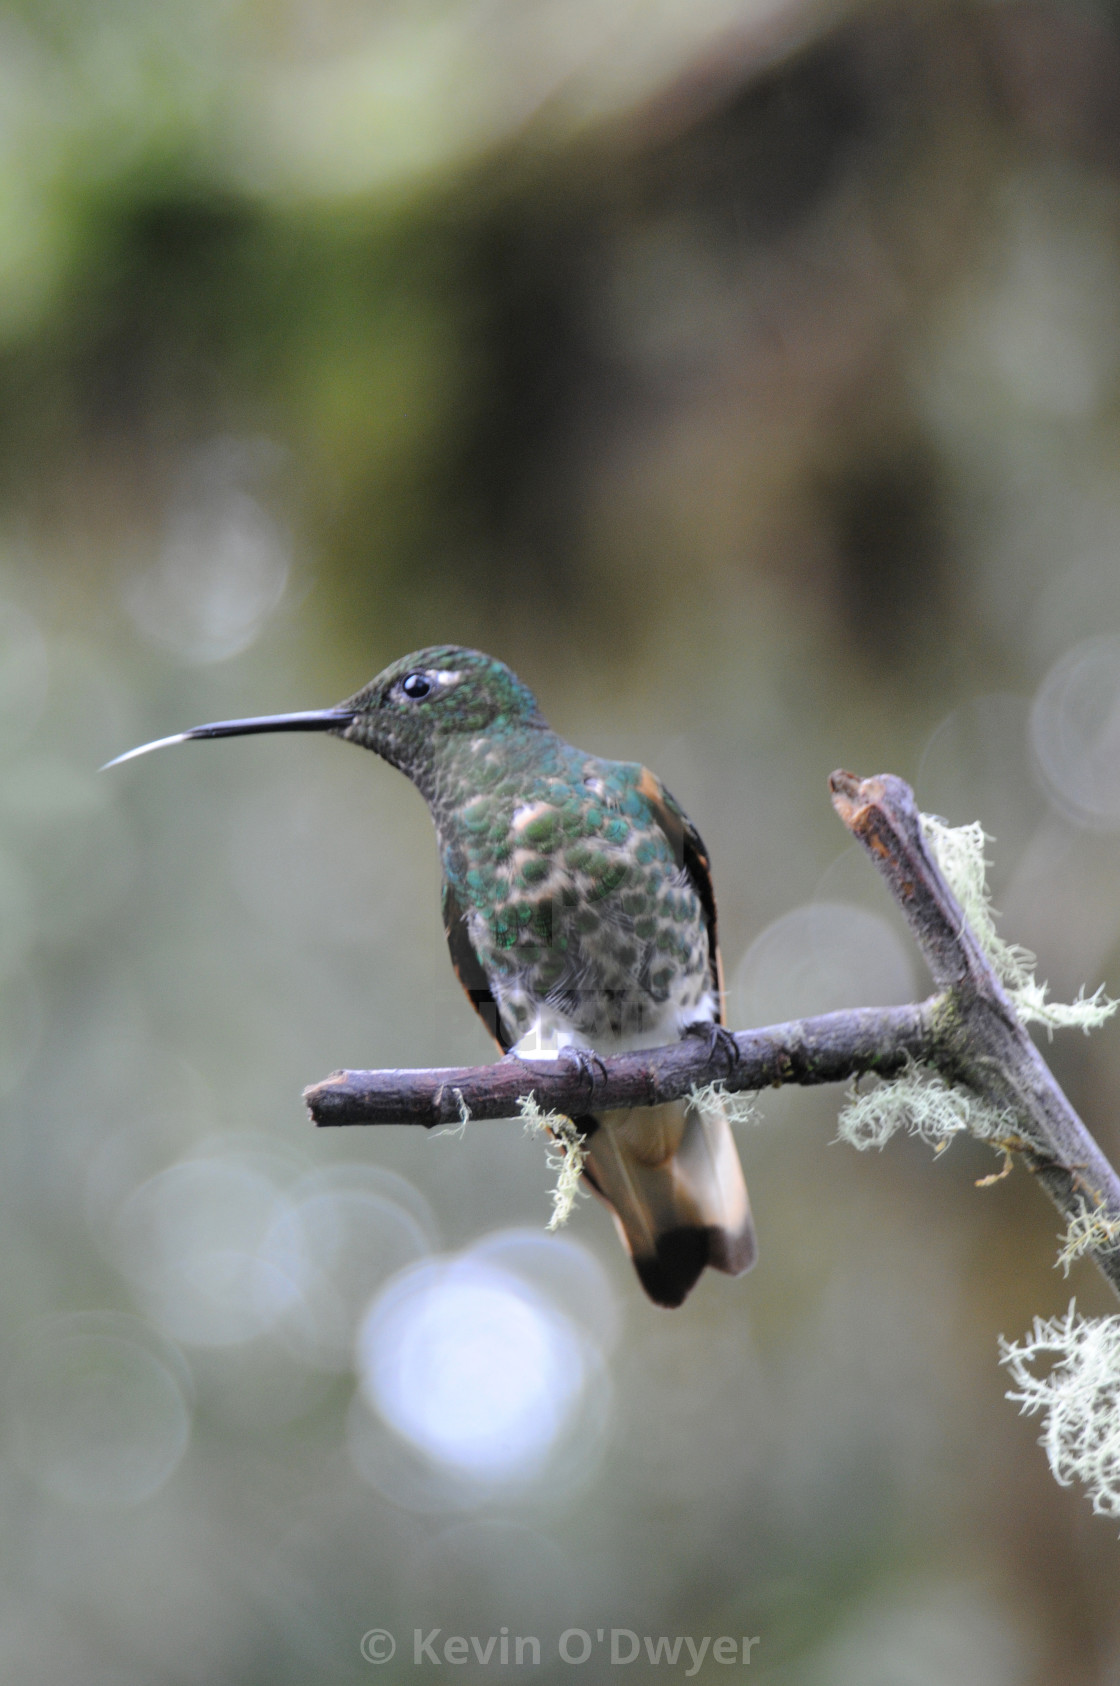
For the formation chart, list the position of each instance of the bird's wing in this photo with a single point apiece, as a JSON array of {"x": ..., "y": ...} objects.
[
  {"x": 688, "y": 848},
  {"x": 468, "y": 967}
]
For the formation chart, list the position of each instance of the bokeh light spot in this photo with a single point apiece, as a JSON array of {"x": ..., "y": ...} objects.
[
  {"x": 339, "y": 1244},
  {"x": 99, "y": 1413},
  {"x": 817, "y": 959},
  {"x": 472, "y": 1367},
  {"x": 193, "y": 1240}
]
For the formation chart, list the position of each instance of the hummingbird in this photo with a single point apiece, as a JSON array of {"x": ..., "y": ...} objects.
[{"x": 581, "y": 920}]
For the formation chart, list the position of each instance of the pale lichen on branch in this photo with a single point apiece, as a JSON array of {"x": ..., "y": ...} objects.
[
  {"x": 1087, "y": 1229},
  {"x": 1079, "y": 1396},
  {"x": 737, "y": 1108},
  {"x": 921, "y": 1103},
  {"x": 959, "y": 851},
  {"x": 566, "y": 1156}
]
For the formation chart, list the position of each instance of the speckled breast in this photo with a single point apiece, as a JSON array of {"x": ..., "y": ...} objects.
[{"x": 578, "y": 912}]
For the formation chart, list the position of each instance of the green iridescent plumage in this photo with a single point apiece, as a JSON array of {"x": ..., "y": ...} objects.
[{"x": 566, "y": 870}]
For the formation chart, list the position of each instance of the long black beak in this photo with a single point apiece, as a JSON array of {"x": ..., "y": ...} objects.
[{"x": 315, "y": 720}]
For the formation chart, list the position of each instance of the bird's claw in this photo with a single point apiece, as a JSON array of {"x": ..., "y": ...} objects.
[
  {"x": 717, "y": 1037},
  {"x": 589, "y": 1062}
]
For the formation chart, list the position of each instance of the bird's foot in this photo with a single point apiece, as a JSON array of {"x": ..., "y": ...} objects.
[
  {"x": 718, "y": 1038},
  {"x": 590, "y": 1065}
]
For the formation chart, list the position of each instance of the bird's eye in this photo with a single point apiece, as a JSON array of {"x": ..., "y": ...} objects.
[{"x": 415, "y": 686}]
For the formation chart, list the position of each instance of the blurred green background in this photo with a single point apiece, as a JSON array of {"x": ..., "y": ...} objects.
[{"x": 746, "y": 373}]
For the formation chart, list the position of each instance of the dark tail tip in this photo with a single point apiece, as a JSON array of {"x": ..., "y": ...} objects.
[
  {"x": 669, "y": 1276},
  {"x": 683, "y": 1254}
]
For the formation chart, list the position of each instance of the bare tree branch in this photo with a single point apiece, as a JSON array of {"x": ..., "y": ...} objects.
[
  {"x": 825, "y": 1049},
  {"x": 969, "y": 1032}
]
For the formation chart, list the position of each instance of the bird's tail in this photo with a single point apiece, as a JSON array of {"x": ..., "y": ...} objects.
[{"x": 672, "y": 1179}]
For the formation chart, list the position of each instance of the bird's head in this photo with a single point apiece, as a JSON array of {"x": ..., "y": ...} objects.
[{"x": 434, "y": 702}]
